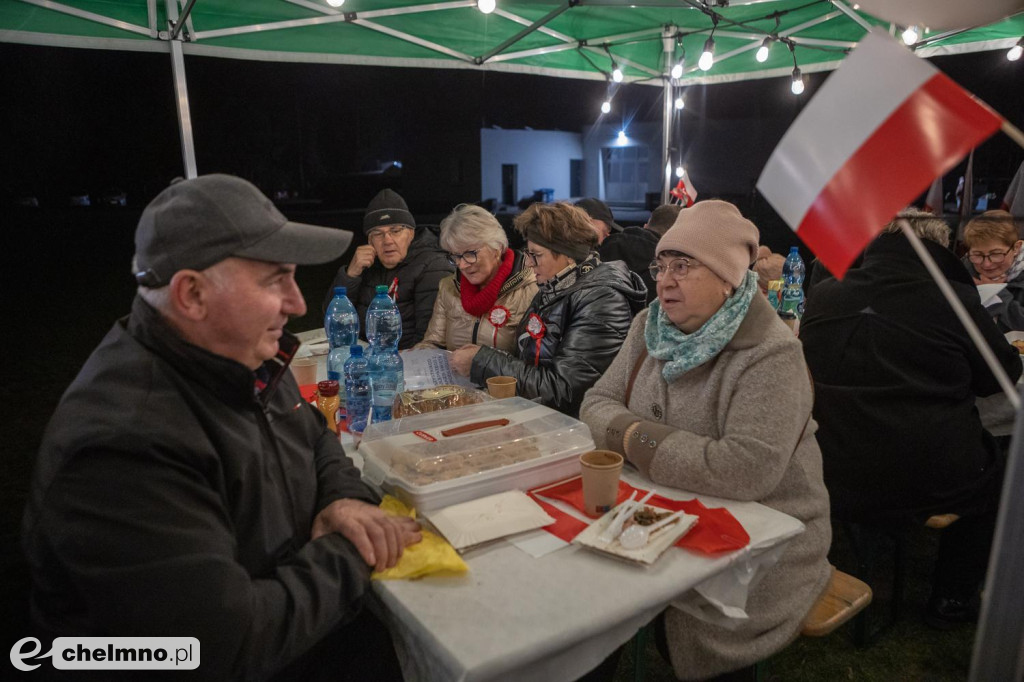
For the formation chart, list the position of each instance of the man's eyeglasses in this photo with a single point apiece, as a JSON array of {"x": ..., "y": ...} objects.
[
  {"x": 994, "y": 257},
  {"x": 468, "y": 256},
  {"x": 676, "y": 268},
  {"x": 531, "y": 258},
  {"x": 395, "y": 232}
]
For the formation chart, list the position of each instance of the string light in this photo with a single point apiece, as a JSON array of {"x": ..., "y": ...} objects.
[
  {"x": 679, "y": 102},
  {"x": 910, "y": 35},
  {"x": 622, "y": 136},
  {"x": 606, "y": 106},
  {"x": 1015, "y": 51},
  {"x": 677, "y": 68},
  {"x": 679, "y": 171},
  {"x": 762, "y": 52},
  {"x": 798, "y": 81},
  {"x": 486, "y": 6},
  {"x": 335, "y": 3},
  {"x": 707, "y": 57}
]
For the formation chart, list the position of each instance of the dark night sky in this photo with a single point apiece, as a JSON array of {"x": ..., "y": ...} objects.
[{"x": 83, "y": 120}]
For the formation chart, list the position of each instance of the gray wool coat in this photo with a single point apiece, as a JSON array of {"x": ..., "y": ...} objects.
[{"x": 729, "y": 428}]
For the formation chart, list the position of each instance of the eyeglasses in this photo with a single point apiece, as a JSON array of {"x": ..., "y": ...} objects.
[
  {"x": 531, "y": 257},
  {"x": 395, "y": 232},
  {"x": 995, "y": 257},
  {"x": 677, "y": 268},
  {"x": 468, "y": 256}
]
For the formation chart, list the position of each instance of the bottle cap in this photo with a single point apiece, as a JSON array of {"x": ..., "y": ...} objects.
[
  {"x": 327, "y": 388},
  {"x": 356, "y": 351},
  {"x": 340, "y": 291},
  {"x": 382, "y": 289}
]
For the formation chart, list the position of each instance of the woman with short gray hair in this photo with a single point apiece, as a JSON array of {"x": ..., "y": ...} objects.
[{"x": 484, "y": 301}]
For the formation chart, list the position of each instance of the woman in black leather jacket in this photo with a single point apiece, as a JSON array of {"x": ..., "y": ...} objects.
[{"x": 577, "y": 321}]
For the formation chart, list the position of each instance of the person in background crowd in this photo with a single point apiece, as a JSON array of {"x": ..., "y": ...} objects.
[
  {"x": 185, "y": 488},
  {"x": 768, "y": 267},
  {"x": 408, "y": 260},
  {"x": 895, "y": 378},
  {"x": 484, "y": 301},
  {"x": 994, "y": 256},
  {"x": 635, "y": 245},
  {"x": 576, "y": 322},
  {"x": 600, "y": 218},
  {"x": 710, "y": 393}
]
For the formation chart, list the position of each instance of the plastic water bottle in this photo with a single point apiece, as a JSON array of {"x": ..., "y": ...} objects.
[
  {"x": 357, "y": 390},
  {"x": 387, "y": 371},
  {"x": 793, "y": 271},
  {"x": 341, "y": 322}
]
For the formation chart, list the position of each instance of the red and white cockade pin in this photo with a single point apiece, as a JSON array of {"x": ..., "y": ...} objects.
[
  {"x": 537, "y": 329},
  {"x": 498, "y": 317}
]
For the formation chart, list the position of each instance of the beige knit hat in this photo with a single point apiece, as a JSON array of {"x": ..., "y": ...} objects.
[{"x": 716, "y": 234}]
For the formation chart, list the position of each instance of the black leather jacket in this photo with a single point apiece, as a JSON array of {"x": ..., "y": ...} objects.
[
  {"x": 585, "y": 315},
  {"x": 168, "y": 498}
]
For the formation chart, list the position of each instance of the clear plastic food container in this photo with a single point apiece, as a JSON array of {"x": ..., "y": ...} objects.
[{"x": 436, "y": 459}]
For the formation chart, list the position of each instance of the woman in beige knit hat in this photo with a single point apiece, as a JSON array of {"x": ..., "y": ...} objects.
[{"x": 720, "y": 405}]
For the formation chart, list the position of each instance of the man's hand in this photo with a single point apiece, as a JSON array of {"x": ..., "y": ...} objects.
[
  {"x": 363, "y": 258},
  {"x": 378, "y": 537},
  {"x": 461, "y": 360}
]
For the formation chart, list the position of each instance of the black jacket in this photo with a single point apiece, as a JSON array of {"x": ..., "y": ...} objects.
[
  {"x": 635, "y": 247},
  {"x": 895, "y": 377},
  {"x": 169, "y": 500},
  {"x": 424, "y": 267},
  {"x": 585, "y": 323}
]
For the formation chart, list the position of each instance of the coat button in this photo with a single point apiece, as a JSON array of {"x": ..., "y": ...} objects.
[
  {"x": 643, "y": 438},
  {"x": 653, "y": 444}
]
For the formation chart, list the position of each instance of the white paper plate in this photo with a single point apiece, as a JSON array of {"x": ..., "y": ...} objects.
[{"x": 661, "y": 540}]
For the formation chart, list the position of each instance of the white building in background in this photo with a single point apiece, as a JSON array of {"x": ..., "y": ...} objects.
[{"x": 599, "y": 162}]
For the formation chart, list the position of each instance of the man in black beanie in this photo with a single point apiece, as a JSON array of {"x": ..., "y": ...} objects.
[
  {"x": 409, "y": 261},
  {"x": 635, "y": 245}
]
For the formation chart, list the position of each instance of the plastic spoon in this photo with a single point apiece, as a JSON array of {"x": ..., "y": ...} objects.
[
  {"x": 615, "y": 527},
  {"x": 636, "y": 536}
]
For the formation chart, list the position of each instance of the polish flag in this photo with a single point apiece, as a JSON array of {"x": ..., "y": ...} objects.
[
  {"x": 933, "y": 200},
  {"x": 1014, "y": 199},
  {"x": 684, "y": 191},
  {"x": 881, "y": 128}
]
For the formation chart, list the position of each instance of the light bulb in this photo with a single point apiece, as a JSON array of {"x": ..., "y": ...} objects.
[
  {"x": 677, "y": 70},
  {"x": 679, "y": 171},
  {"x": 606, "y": 106},
  {"x": 909, "y": 35},
  {"x": 762, "y": 52},
  {"x": 680, "y": 103},
  {"x": 617, "y": 74},
  {"x": 486, "y": 6},
  {"x": 335, "y": 3},
  {"x": 798, "y": 82},
  {"x": 707, "y": 57},
  {"x": 1015, "y": 51},
  {"x": 622, "y": 136}
]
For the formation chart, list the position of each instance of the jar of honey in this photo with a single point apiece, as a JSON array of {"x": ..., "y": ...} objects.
[{"x": 328, "y": 402}]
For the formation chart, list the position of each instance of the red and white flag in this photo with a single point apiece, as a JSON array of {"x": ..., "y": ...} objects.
[
  {"x": 933, "y": 200},
  {"x": 882, "y": 127},
  {"x": 684, "y": 191},
  {"x": 1014, "y": 199}
]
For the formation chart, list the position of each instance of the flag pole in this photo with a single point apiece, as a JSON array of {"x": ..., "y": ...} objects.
[
  {"x": 961, "y": 312},
  {"x": 1013, "y": 132}
]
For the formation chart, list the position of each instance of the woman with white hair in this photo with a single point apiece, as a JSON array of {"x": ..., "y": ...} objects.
[{"x": 484, "y": 301}]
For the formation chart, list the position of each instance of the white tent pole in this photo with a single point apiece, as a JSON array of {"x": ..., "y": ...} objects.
[
  {"x": 668, "y": 44},
  {"x": 188, "y": 148},
  {"x": 961, "y": 312}
]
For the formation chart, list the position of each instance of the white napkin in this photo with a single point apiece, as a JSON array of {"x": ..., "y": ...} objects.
[
  {"x": 989, "y": 293},
  {"x": 488, "y": 518}
]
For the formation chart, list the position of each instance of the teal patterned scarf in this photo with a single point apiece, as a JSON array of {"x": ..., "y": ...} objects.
[{"x": 681, "y": 351}]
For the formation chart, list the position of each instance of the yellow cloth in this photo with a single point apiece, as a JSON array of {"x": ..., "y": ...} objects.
[{"x": 430, "y": 556}]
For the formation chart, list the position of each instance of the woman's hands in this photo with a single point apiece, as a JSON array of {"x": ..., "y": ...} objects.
[{"x": 462, "y": 359}]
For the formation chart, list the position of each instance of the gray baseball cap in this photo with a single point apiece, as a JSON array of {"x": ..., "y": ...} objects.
[{"x": 196, "y": 223}]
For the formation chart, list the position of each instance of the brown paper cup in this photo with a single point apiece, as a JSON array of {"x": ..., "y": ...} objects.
[
  {"x": 600, "y": 470},
  {"x": 304, "y": 370},
  {"x": 502, "y": 387}
]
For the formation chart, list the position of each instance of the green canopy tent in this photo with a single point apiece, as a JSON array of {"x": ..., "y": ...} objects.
[{"x": 586, "y": 39}]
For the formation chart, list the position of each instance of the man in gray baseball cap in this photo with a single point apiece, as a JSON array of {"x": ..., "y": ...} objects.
[{"x": 185, "y": 488}]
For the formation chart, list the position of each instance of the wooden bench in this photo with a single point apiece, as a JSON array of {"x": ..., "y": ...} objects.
[{"x": 844, "y": 598}]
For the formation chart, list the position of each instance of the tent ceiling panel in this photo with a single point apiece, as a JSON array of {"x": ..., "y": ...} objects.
[{"x": 571, "y": 42}]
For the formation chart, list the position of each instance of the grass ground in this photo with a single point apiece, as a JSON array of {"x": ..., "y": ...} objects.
[{"x": 67, "y": 281}]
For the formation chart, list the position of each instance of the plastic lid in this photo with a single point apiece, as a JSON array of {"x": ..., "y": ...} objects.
[
  {"x": 794, "y": 249},
  {"x": 356, "y": 351},
  {"x": 327, "y": 388},
  {"x": 382, "y": 288},
  {"x": 340, "y": 291}
]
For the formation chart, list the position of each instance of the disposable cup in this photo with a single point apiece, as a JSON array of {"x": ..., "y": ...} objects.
[
  {"x": 304, "y": 370},
  {"x": 502, "y": 387},
  {"x": 600, "y": 470}
]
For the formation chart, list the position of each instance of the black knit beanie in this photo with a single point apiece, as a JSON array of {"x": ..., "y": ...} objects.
[{"x": 387, "y": 208}]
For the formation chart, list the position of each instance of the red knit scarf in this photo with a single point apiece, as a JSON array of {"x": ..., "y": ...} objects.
[{"x": 477, "y": 301}]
